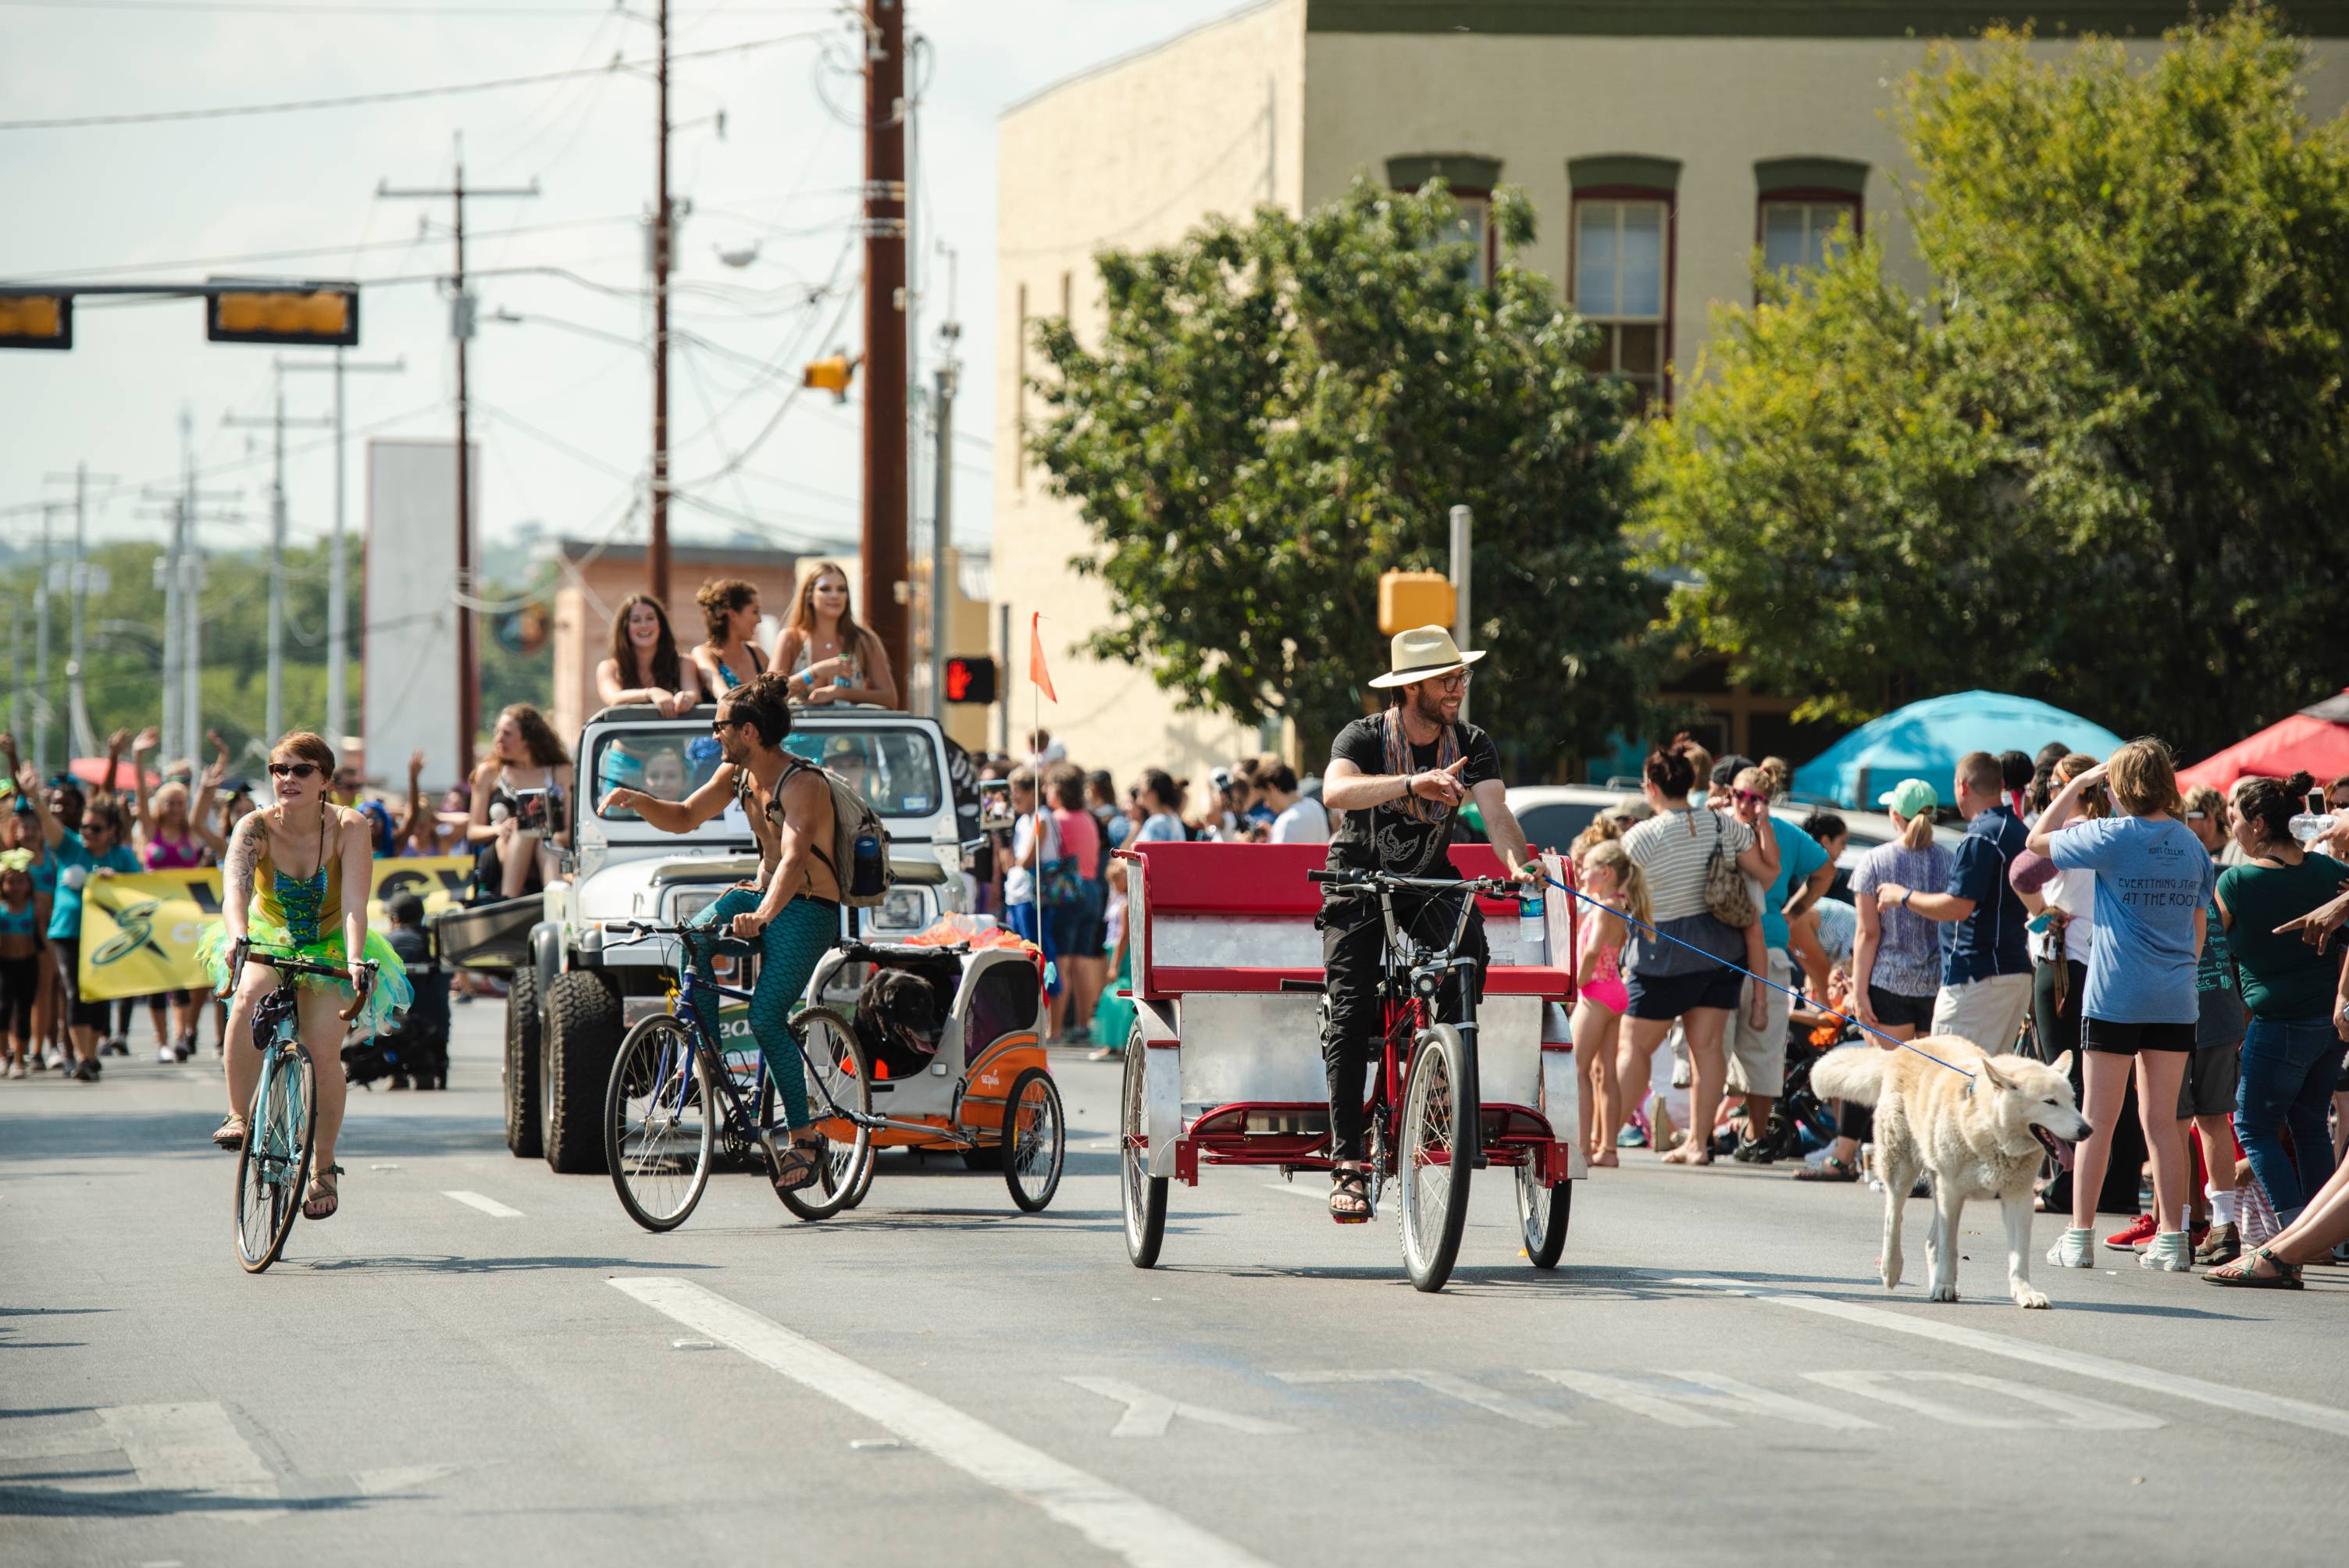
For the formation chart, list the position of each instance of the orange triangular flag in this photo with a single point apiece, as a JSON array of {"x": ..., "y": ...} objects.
[{"x": 1036, "y": 670}]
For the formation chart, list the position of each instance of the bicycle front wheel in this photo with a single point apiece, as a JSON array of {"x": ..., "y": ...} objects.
[
  {"x": 281, "y": 1128},
  {"x": 1433, "y": 1187},
  {"x": 660, "y": 1129},
  {"x": 839, "y": 1080}
]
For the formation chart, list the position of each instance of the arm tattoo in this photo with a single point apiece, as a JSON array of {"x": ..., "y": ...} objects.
[{"x": 243, "y": 860}]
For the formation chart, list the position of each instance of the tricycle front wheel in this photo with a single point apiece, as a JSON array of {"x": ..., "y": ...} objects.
[
  {"x": 1143, "y": 1196},
  {"x": 1543, "y": 1213}
]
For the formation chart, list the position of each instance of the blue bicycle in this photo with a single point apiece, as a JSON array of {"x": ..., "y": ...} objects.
[
  {"x": 672, "y": 1097},
  {"x": 281, "y": 1124}
]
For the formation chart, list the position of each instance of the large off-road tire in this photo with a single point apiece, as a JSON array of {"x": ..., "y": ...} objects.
[
  {"x": 583, "y": 1037},
  {"x": 523, "y": 1061}
]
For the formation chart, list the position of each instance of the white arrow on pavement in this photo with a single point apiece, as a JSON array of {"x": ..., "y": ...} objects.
[{"x": 1148, "y": 1415}]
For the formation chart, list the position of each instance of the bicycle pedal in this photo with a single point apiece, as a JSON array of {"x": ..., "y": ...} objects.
[{"x": 1351, "y": 1218}]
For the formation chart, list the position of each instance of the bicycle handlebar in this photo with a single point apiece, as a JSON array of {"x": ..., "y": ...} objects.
[
  {"x": 289, "y": 963},
  {"x": 1380, "y": 882}
]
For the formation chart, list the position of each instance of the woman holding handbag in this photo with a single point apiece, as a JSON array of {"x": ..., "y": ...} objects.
[{"x": 1695, "y": 860}]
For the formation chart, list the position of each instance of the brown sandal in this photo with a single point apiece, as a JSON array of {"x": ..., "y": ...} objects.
[
  {"x": 229, "y": 1134},
  {"x": 324, "y": 1198},
  {"x": 1349, "y": 1192}
]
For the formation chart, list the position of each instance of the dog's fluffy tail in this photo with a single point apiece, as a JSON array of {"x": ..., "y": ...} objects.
[{"x": 1850, "y": 1072}]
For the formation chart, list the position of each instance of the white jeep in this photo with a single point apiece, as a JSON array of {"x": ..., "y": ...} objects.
[{"x": 573, "y": 994}]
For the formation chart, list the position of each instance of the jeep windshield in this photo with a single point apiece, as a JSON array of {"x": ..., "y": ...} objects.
[{"x": 894, "y": 766}]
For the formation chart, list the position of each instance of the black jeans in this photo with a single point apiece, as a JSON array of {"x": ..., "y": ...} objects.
[{"x": 1353, "y": 949}]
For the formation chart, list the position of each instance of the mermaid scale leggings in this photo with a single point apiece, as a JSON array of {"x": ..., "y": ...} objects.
[{"x": 790, "y": 949}]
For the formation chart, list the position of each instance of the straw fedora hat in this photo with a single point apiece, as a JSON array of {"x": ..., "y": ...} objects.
[{"x": 1423, "y": 654}]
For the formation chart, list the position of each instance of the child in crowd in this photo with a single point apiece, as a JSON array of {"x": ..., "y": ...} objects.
[{"x": 1609, "y": 876}]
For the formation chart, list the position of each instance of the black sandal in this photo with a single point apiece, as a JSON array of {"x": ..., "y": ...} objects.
[
  {"x": 1831, "y": 1170},
  {"x": 799, "y": 1163},
  {"x": 1349, "y": 1192}
]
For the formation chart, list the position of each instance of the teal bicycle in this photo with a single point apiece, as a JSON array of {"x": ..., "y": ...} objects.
[{"x": 281, "y": 1125}]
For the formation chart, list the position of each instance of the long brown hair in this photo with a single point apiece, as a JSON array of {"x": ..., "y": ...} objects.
[
  {"x": 802, "y": 620},
  {"x": 538, "y": 737},
  {"x": 667, "y": 674}
]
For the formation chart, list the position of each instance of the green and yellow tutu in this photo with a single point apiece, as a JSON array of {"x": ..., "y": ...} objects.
[{"x": 305, "y": 920}]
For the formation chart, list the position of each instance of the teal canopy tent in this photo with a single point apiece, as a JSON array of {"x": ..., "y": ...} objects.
[{"x": 1925, "y": 739}]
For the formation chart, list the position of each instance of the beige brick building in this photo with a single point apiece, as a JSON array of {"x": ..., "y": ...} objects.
[{"x": 1659, "y": 140}]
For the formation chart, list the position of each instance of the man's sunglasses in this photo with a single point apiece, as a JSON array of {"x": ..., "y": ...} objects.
[
  {"x": 292, "y": 770},
  {"x": 721, "y": 726}
]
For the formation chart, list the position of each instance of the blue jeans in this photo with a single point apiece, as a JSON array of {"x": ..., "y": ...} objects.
[{"x": 2288, "y": 1074}]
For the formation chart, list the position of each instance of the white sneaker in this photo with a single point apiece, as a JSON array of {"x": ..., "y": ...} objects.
[
  {"x": 166, "y": 1054},
  {"x": 55, "y": 1059},
  {"x": 2075, "y": 1249},
  {"x": 2169, "y": 1251}
]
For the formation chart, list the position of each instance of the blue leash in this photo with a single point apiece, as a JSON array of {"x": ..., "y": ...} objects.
[{"x": 1799, "y": 997}]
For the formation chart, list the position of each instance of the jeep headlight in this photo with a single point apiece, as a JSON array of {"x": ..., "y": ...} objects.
[
  {"x": 686, "y": 903},
  {"x": 901, "y": 909}
]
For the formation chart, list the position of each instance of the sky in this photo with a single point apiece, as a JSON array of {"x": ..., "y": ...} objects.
[{"x": 562, "y": 396}]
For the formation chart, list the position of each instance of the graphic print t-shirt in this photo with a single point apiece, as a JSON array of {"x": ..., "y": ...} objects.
[
  {"x": 1387, "y": 838},
  {"x": 2152, "y": 880}
]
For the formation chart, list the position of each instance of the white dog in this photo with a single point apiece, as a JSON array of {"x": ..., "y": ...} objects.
[{"x": 1978, "y": 1136}]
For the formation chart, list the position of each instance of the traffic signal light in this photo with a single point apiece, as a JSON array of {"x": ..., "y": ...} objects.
[
  {"x": 36, "y": 321},
  {"x": 970, "y": 680},
  {"x": 1408, "y": 598},
  {"x": 320, "y": 315},
  {"x": 832, "y": 374}
]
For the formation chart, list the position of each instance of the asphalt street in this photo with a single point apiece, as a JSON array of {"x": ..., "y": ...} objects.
[{"x": 479, "y": 1361}]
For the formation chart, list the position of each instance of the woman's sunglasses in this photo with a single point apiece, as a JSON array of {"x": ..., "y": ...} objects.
[
  {"x": 292, "y": 770},
  {"x": 1750, "y": 797}
]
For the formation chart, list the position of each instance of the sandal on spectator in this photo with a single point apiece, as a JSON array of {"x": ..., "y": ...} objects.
[
  {"x": 1830, "y": 1170},
  {"x": 2245, "y": 1272}
]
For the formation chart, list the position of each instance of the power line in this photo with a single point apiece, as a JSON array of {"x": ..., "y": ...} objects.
[
  {"x": 69, "y": 274},
  {"x": 402, "y": 95}
]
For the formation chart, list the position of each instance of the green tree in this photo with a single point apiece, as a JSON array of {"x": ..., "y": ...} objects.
[
  {"x": 1280, "y": 409},
  {"x": 2098, "y": 465}
]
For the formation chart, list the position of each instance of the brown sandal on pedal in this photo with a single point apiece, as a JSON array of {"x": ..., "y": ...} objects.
[
  {"x": 324, "y": 1199},
  {"x": 1349, "y": 1192},
  {"x": 230, "y": 1134},
  {"x": 799, "y": 1163}
]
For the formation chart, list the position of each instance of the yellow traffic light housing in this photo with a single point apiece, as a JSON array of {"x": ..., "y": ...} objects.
[
  {"x": 35, "y": 321},
  {"x": 832, "y": 374},
  {"x": 320, "y": 315},
  {"x": 1408, "y": 598}
]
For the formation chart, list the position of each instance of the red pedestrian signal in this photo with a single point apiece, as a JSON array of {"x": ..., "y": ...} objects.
[{"x": 970, "y": 680}]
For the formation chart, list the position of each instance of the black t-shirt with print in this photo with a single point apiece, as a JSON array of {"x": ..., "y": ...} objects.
[{"x": 1386, "y": 837}]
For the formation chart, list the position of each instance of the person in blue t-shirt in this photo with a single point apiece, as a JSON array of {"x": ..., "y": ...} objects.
[
  {"x": 2153, "y": 880},
  {"x": 1986, "y": 976},
  {"x": 97, "y": 850}
]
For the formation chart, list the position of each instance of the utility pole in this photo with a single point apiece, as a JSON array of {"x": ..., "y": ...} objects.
[
  {"x": 656, "y": 551},
  {"x": 45, "y": 710},
  {"x": 942, "y": 585},
  {"x": 16, "y": 709},
  {"x": 884, "y": 329},
  {"x": 460, "y": 322},
  {"x": 338, "y": 573},
  {"x": 274, "y": 724},
  {"x": 182, "y": 571},
  {"x": 78, "y": 736}
]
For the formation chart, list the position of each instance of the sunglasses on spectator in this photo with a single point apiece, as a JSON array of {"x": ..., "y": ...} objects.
[
  {"x": 292, "y": 770},
  {"x": 1750, "y": 797}
]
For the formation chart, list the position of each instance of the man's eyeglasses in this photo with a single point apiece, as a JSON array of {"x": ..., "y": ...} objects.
[
  {"x": 292, "y": 770},
  {"x": 1456, "y": 681}
]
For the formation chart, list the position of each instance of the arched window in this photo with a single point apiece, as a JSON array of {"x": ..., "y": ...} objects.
[
  {"x": 1799, "y": 205},
  {"x": 1470, "y": 180},
  {"x": 1619, "y": 262}
]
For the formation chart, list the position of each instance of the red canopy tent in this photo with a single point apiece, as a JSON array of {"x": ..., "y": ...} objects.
[{"x": 2315, "y": 739}]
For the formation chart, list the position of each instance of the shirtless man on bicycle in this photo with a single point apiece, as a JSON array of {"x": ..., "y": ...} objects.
[
  {"x": 789, "y": 915},
  {"x": 1399, "y": 778}
]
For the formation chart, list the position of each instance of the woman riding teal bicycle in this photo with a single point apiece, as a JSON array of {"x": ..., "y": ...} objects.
[
  {"x": 791, "y": 915},
  {"x": 295, "y": 883}
]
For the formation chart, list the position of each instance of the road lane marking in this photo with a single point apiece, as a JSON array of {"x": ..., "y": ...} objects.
[
  {"x": 190, "y": 1447},
  {"x": 1111, "y": 1517},
  {"x": 489, "y": 1206},
  {"x": 1689, "y": 1399},
  {"x": 2080, "y": 1363},
  {"x": 2067, "y": 1412},
  {"x": 1148, "y": 1415},
  {"x": 1446, "y": 1384}
]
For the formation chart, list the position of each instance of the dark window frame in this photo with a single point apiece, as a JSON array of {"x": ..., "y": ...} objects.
[
  {"x": 1855, "y": 202},
  {"x": 1670, "y": 196}
]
